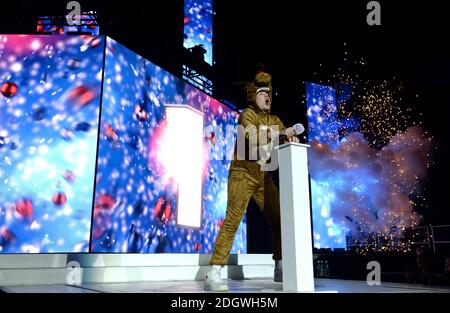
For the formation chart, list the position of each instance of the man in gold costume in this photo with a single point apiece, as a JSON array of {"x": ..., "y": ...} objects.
[{"x": 247, "y": 179}]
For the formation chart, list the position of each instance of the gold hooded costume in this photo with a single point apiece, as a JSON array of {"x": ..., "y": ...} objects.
[{"x": 246, "y": 180}]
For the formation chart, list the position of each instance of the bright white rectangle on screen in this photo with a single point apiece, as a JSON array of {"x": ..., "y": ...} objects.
[{"x": 185, "y": 130}]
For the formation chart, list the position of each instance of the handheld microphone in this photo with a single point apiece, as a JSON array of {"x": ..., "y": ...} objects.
[{"x": 298, "y": 128}]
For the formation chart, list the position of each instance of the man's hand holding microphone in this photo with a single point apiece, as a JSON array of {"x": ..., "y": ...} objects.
[{"x": 290, "y": 134}]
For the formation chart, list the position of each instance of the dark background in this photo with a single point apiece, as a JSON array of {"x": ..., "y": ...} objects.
[{"x": 292, "y": 38}]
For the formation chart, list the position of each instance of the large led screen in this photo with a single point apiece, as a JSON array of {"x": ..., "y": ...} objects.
[
  {"x": 158, "y": 156},
  {"x": 49, "y": 111},
  {"x": 158, "y": 188},
  {"x": 198, "y": 25}
]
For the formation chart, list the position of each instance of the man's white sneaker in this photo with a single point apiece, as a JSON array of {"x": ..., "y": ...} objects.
[{"x": 213, "y": 282}]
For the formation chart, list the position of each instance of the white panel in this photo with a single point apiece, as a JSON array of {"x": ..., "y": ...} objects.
[
  {"x": 164, "y": 259},
  {"x": 103, "y": 268},
  {"x": 185, "y": 135},
  {"x": 15, "y": 277},
  {"x": 128, "y": 260},
  {"x": 255, "y": 259},
  {"x": 298, "y": 274},
  {"x": 49, "y": 260}
]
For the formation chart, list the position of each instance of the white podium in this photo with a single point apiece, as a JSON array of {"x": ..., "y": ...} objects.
[{"x": 297, "y": 249}]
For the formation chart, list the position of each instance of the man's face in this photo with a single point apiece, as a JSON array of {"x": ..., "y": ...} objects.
[{"x": 263, "y": 101}]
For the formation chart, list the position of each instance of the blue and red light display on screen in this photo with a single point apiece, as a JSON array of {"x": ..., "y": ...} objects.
[
  {"x": 198, "y": 25},
  {"x": 57, "y": 25},
  {"x": 52, "y": 91},
  {"x": 136, "y": 197},
  {"x": 49, "y": 111}
]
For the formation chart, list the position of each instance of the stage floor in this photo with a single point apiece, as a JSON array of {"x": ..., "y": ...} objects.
[{"x": 236, "y": 286}]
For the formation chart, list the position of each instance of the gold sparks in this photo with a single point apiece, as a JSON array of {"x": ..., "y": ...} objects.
[{"x": 384, "y": 114}]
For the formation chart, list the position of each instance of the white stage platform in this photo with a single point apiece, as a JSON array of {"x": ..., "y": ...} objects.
[
  {"x": 236, "y": 286},
  {"x": 163, "y": 273}
]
